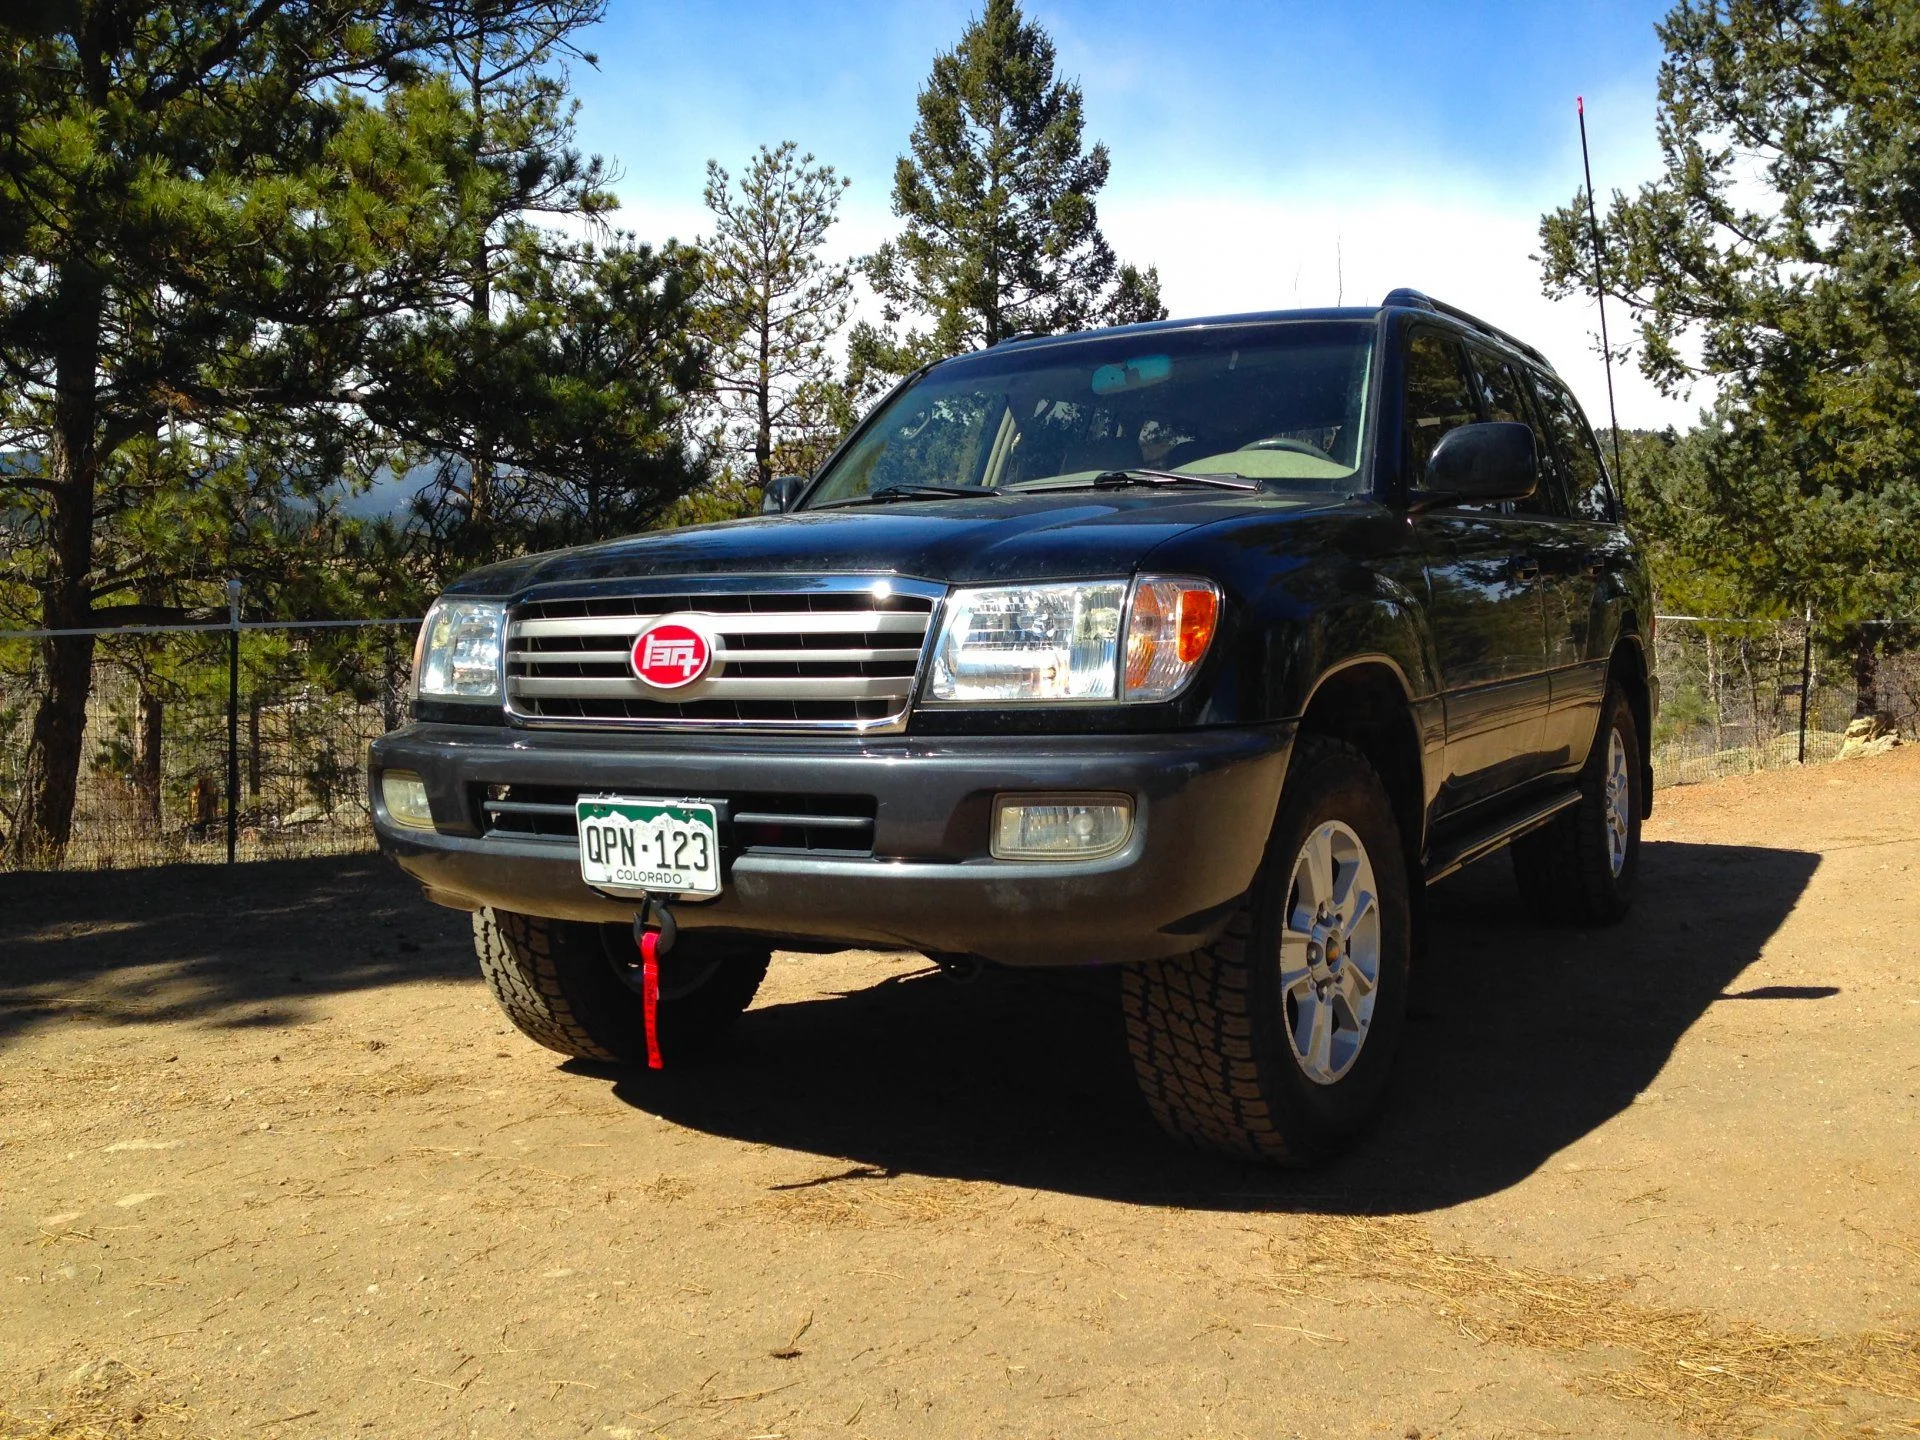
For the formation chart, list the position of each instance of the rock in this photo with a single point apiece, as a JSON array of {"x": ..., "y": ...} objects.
[
  {"x": 1870, "y": 735},
  {"x": 1877, "y": 746}
]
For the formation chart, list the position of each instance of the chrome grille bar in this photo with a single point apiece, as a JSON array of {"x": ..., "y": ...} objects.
[
  {"x": 836, "y": 652},
  {"x": 792, "y": 623}
]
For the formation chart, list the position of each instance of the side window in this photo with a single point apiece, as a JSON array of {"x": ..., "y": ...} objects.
[
  {"x": 1504, "y": 393},
  {"x": 1581, "y": 470},
  {"x": 1438, "y": 396}
]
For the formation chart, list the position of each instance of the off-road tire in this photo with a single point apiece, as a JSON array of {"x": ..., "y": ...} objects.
[
  {"x": 1564, "y": 870},
  {"x": 1207, "y": 1029},
  {"x": 556, "y": 981}
]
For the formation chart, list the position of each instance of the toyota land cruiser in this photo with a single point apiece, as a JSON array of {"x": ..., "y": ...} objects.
[{"x": 1198, "y": 648}]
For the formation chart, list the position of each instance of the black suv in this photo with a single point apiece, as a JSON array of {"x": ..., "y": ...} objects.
[{"x": 1198, "y": 648}]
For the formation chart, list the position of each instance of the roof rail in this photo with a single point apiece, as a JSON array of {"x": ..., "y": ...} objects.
[
  {"x": 1019, "y": 335},
  {"x": 1415, "y": 300}
]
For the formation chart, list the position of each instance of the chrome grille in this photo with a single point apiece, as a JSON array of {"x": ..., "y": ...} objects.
[{"x": 827, "y": 654}]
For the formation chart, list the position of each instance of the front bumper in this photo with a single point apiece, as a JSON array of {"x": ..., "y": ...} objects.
[{"x": 1204, "y": 803}]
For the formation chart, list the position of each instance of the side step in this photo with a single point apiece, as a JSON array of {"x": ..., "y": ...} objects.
[{"x": 1477, "y": 844}]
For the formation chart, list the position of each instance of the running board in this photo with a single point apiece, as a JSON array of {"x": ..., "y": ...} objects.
[{"x": 1479, "y": 844}]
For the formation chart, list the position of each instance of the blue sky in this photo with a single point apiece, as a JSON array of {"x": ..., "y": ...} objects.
[{"x": 1263, "y": 155}]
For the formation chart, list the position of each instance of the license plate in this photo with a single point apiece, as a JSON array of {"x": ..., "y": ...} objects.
[{"x": 666, "y": 847}]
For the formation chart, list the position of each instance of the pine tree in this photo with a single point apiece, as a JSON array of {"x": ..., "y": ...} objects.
[
  {"x": 616, "y": 358},
  {"x": 773, "y": 308},
  {"x": 1778, "y": 256},
  {"x": 1002, "y": 233},
  {"x": 208, "y": 212},
  {"x": 506, "y": 143}
]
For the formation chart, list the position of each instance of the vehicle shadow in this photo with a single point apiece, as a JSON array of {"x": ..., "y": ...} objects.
[
  {"x": 1523, "y": 1039},
  {"x": 249, "y": 945}
]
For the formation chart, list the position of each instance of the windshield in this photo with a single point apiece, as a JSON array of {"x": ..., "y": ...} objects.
[{"x": 1280, "y": 404}]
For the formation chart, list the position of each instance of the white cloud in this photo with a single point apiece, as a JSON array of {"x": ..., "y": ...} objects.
[
  {"x": 1219, "y": 254},
  {"x": 1223, "y": 251}
]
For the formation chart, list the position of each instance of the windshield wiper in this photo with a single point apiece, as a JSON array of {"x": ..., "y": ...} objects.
[
  {"x": 1114, "y": 479},
  {"x": 890, "y": 493}
]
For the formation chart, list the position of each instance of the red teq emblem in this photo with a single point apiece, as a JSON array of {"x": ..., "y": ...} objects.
[{"x": 670, "y": 655}]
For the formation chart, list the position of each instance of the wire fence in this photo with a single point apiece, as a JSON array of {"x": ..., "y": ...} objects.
[
  {"x": 249, "y": 740},
  {"x": 209, "y": 743},
  {"x": 1738, "y": 696}
]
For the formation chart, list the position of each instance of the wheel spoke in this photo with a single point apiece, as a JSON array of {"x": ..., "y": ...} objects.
[
  {"x": 1346, "y": 882},
  {"x": 1320, "y": 1041},
  {"x": 1365, "y": 908},
  {"x": 1317, "y": 868},
  {"x": 1294, "y": 961},
  {"x": 1356, "y": 984}
]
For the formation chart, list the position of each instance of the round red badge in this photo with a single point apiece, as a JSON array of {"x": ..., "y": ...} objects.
[{"x": 670, "y": 655}]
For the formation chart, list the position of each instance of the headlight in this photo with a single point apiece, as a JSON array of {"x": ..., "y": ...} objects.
[
  {"x": 1066, "y": 642},
  {"x": 458, "y": 654}
]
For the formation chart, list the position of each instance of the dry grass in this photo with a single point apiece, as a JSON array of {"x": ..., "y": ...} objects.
[
  {"x": 1714, "y": 1376},
  {"x": 866, "y": 1195},
  {"x": 1694, "y": 761},
  {"x": 102, "y": 1400}
]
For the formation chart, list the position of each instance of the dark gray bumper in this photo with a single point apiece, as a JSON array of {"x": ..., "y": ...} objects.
[{"x": 1204, "y": 804}]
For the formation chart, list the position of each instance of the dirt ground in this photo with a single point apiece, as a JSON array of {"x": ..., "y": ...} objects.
[{"x": 271, "y": 1164}]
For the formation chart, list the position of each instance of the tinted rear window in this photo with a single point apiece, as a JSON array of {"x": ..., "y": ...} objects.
[
  {"x": 1438, "y": 396},
  {"x": 1583, "y": 475}
]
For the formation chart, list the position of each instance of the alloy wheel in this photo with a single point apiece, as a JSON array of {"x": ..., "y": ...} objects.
[{"x": 1330, "y": 952}]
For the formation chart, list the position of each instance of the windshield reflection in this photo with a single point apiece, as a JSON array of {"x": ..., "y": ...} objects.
[{"x": 1281, "y": 404}]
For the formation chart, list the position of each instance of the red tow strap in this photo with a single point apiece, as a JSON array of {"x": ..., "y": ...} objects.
[{"x": 650, "y": 993}]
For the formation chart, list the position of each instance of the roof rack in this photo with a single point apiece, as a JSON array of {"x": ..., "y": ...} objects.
[{"x": 1415, "y": 300}]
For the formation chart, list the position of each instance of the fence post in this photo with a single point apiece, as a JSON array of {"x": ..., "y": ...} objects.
[
  {"x": 1806, "y": 680},
  {"x": 233, "y": 718}
]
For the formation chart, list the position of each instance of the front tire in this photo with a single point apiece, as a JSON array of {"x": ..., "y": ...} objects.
[
  {"x": 1277, "y": 1040},
  {"x": 1582, "y": 866},
  {"x": 561, "y": 983}
]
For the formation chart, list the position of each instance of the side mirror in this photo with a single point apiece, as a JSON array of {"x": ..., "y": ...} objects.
[
  {"x": 1490, "y": 461},
  {"x": 781, "y": 493}
]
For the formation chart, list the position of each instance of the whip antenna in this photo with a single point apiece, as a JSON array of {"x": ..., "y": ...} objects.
[{"x": 1599, "y": 286}]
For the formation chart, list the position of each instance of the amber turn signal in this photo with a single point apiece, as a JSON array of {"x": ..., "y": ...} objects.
[{"x": 1170, "y": 624}]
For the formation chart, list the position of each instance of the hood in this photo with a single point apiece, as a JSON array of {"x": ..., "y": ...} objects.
[{"x": 953, "y": 542}]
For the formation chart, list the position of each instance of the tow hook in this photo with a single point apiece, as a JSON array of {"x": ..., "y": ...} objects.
[
  {"x": 960, "y": 969},
  {"x": 654, "y": 931}
]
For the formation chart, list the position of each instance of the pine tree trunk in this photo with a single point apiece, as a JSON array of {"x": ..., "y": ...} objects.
[
  {"x": 390, "y": 679},
  {"x": 480, "y": 498},
  {"x": 52, "y": 770},
  {"x": 1714, "y": 697},
  {"x": 763, "y": 399},
  {"x": 1753, "y": 693},
  {"x": 253, "y": 752},
  {"x": 1866, "y": 671},
  {"x": 149, "y": 730}
]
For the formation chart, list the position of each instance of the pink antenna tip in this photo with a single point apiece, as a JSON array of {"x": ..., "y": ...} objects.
[{"x": 1580, "y": 103}]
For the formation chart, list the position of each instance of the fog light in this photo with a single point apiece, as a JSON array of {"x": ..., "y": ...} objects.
[
  {"x": 1061, "y": 827},
  {"x": 406, "y": 797}
]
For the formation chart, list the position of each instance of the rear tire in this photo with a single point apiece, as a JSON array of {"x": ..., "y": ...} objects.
[
  {"x": 560, "y": 983},
  {"x": 1224, "y": 1039},
  {"x": 1581, "y": 867}
]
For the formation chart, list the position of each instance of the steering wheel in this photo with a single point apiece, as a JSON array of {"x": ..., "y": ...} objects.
[{"x": 1298, "y": 447}]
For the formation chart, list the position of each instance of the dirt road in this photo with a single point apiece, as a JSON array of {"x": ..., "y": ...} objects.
[{"x": 272, "y": 1165}]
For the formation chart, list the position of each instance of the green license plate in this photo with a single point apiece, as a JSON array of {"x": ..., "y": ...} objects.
[{"x": 662, "y": 847}]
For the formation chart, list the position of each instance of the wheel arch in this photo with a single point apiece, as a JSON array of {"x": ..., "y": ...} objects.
[
  {"x": 1366, "y": 701},
  {"x": 1630, "y": 670}
]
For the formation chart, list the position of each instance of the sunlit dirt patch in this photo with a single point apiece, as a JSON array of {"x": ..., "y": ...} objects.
[{"x": 1711, "y": 1374}]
